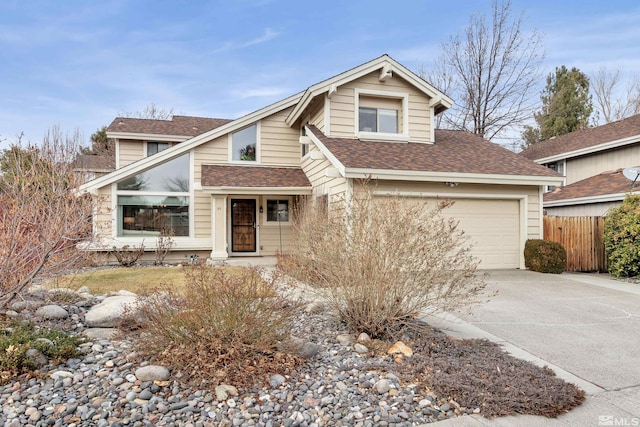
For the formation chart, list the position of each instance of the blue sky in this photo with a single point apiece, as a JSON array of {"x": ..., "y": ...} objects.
[{"x": 77, "y": 64}]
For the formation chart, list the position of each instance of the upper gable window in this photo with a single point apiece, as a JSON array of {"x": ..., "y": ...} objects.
[
  {"x": 378, "y": 120},
  {"x": 244, "y": 144},
  {"x": 382, "y": 115},
  {"x": 156, "y": 147}
]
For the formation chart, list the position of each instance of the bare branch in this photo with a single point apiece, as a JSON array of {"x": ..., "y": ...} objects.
[{"x": 491, "y": 71}]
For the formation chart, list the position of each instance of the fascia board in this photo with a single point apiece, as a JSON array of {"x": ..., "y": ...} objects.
[
  {"x": 589, "y": 150},
  {"x": 408, "y": 175},
  {"x": 328, "y": 154},
  {"x": 257, "y": 190},
  {"x": 618, "y": 197},
  {"x": 363, "y": 70},
  {"x": 147, "y": 136},
  {"x": 182, "y": 148}
]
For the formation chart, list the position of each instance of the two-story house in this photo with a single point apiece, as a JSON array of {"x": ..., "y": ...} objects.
[
  {"x": 227, "y": 188},
  {"x": 592, "y": 161}
]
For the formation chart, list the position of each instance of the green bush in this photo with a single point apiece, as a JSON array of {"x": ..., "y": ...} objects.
[
  {"x": 622, "y": 238},
  {"x": 16, "y": 339},
  {"x": 545, "y": 256}
]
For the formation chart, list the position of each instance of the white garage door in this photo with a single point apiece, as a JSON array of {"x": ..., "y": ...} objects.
[{"x": 494, "y": 229}]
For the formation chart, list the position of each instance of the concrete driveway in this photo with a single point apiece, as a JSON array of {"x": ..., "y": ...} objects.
[{"x": 584, "y": 326}]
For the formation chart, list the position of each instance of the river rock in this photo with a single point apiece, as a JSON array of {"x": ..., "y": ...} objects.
[{"x": 107, "y": 314}]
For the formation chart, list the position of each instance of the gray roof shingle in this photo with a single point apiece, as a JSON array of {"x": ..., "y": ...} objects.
[
  {"x": 584, "y": 138},
  {"x": 453, "y": 151}
]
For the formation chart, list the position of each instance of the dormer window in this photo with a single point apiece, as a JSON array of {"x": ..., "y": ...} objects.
[
  {"x": 382, "y": 115},
  {"x": 378, "y": 120}
]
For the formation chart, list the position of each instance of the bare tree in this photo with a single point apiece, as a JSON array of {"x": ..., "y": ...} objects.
[
  {"x": 41, "y": 218},
  {"x": 490, "y": 71},
  {"x": 151, "y": 111},
  {"x": 612, "y": 104}
]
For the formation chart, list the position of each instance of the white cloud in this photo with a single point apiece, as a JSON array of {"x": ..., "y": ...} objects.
[
  {"x": 267, "y": 35},
  {"x": 262, "y": 92}
]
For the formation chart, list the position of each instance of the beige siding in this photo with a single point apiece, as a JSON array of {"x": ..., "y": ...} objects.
[
  {"x": 202, "y": 215},
  {"x": 270, "y": 239},
  {"x": 342, "y": 106},
  {"x": 103, "y": 222},
  {"x": 584, "y": 167},
  {"x": 591, "y": 209},
  {"x": 212, "y": 152},
  {"x": 130, "y": 151},
  {"x": 315, "y": 170},
  {"x": 317, "y": 113},
  {"x": 279, "y": 144}
]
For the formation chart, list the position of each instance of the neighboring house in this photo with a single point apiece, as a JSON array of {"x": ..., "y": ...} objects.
[
  {"x": 227, "y": 188},
  {"x": 92, "y": 166},
  {"x": 591, "y": 160}
]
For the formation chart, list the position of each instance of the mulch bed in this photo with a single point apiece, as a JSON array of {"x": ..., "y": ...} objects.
[{"x": 479, "y": 374}]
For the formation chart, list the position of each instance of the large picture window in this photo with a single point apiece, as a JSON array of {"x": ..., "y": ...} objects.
[
  {"x": 244, "y": 144},
  {"x": 153, "y": 215},
  {"x": 155, "y": 202}
]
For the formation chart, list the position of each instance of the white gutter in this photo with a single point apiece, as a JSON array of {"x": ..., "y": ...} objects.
[
  {"x": 588, "y": 150},
  {"x": 586, "y": 200}
]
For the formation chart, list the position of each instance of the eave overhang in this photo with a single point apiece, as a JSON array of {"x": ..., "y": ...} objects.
[{"x": 590, "y": 150}]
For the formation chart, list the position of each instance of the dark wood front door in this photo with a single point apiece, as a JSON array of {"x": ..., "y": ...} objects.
[{"x": 243, "y": 225}]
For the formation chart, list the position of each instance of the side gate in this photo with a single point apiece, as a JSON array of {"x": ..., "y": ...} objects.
[{"x": 582, "y": 237}]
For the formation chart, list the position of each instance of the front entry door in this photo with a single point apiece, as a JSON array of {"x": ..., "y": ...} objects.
[{"x": 243, "y": 225}]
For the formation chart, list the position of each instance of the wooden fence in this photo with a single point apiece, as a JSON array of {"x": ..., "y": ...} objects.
[{"x": 582, "y": 237}]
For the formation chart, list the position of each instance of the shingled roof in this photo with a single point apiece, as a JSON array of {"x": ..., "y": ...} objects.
[
  {"x": 253, "y": 176},
  {"x": 178, "y": 125},
  {"x": 453, "y": 151},
  {"x": 584, "y": 138},
  {"x": 610, "y": 182}
]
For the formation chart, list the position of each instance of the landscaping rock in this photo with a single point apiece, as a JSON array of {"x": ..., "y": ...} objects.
[
  {"x": 364, "y": 337},
  {"x": 344, "y": 339},
  {"x": 107, "y": 314},
  {"x": 99, "y": 333},
  {"x": 276, "y": 380},
  {"x": 52, "y": 312},
  {"x": 223, "y": 391},
  {"x": 400, "y": 348},
  {"x": 359, "y": 348},
  {"x": 152, "y": 373}
]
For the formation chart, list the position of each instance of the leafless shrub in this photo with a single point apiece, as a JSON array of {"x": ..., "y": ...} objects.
[
  {"x": 126, "y": 255},
  {"x": 41, "y": 217},
  {"x": 226, "y": 326},
  {"x": 164, "y": 245},
  {"x": 381, "y": 262}
]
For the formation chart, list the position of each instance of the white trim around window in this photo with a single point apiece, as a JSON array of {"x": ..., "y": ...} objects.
[
  {"x": 265, "y": 214},
  {"x": 404, "y": 115},
  {"x": 258, "y": 146}
]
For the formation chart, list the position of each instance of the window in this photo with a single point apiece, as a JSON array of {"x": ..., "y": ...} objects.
[
  {"x": 155, "y": 201},
  {"x": 378, "y": 120},
  {"x": 156, "y": 147},
  {"x": 277, "y": 210},
  {"x": 381, "y": 115},
  {"x": 243, "y": 144},
  {"x": 154, "y": 215},
  {"x": 304, "y": 149}
]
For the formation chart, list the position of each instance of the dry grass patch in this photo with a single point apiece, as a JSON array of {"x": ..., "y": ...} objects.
[{"x": 140, "y": 280}]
